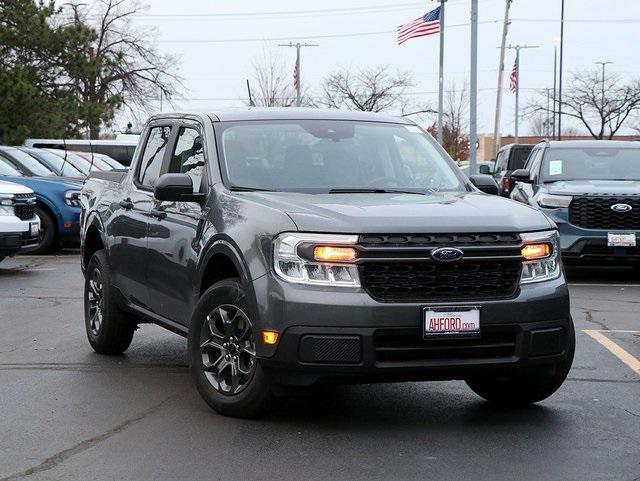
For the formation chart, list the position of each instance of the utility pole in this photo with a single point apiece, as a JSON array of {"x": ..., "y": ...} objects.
[
  {"x": 441, "y": 77},
  {"x": 517, "y": 48},
  {"x": 298, "y": 46},
  {"x": 496, "y": 125},
  {"x": 560, "y": 79},
  {"x": 473, "y": 96},
  {"x": 160, "y": 100},
  {"x": 556, "y": 41},
  {"x": 604, "y": 64}
]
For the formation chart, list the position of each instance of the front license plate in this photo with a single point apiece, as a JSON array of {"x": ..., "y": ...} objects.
[
  {"x": 458, "y": 321},
  {"x": 621, "y": 239},
  {"x": 34, "y": 228}
]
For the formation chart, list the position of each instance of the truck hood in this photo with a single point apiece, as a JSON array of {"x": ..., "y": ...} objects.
[
  {"x": 11, "y": 188},
  {"x": 404, "y": 213},
  {"x": 594, "y": 187}
]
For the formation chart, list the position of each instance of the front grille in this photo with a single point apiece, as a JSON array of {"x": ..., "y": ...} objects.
[
  {"x": 595, "y": 213},
  {"x": 435, "y": 281},
  {"x": 399, "y": 268},
  {"x": 24, "y": 206},
  {"x": 406, "y": 345},
  {"x": 24, "y": 211}
]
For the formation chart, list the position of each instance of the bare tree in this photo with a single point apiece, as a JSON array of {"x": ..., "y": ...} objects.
[
  {"x": 273, "y": 82},
  {"x": 373, "y": 89},
  {"x": 601, "y": 108},
  {"x": 455, "y": 134},
  {"x": 540, "y": 124},
  {"x": 122, "y": 67}
]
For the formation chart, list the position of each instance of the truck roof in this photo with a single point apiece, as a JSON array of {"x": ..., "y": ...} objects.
[
  {"x": 581, "y": 144},
  {"x": 286, "y": 113}
]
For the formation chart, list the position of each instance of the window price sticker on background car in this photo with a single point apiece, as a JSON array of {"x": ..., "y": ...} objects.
[
  {"x": 456, "y": 321},
  {"x": 621, "y": 239}
]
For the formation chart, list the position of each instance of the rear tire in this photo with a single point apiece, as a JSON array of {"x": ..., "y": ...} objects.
[
  {"x": 526, "y": 390},
  {"x": 222, "y": 353},
  {"x": 108, "y": 328},
  {"x": 48, "y": 238}
]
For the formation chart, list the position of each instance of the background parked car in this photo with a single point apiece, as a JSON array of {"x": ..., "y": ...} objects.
[
  {"x": 121, "y": 149},
  {"x": 24, "y": 163},
  {"x": 54, "y": 162},
  {"x": 510, "y": 157},
  {"x": 591, "y": 190},
  {"x": 484, "y": 167},
  {"x": 99, "y": 160},
  {"x": 81, "y": 163},
  {"x": 57, "y": 206}
]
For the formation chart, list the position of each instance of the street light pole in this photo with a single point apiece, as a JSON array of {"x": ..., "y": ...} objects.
[
  {"x": 561, "y": 65},
  {"x": 604, "y": 64},
  {"x": 556, "y": 41},
  {"x": 298, "y": 46},
  {"x": 441, "y": 76},
  {"x": 473, "y": 98}
]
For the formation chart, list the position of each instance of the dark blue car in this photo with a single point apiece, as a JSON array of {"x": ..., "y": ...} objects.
[{"x": 57, "y": 204}]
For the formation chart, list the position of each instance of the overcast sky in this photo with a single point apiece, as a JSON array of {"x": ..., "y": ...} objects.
[{"x": 217, "y": 42}]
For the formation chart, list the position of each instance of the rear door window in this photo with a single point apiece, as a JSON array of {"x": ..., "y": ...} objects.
[
  {"x": 151, "y": 163},
  {"x": 519, "y": 157}
]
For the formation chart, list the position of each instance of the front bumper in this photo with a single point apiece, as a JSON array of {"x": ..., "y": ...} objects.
[
  {"x": 15, "y": 234},
  {"x": 333, "y": 335},
  {"x": 579, "y": 244}
]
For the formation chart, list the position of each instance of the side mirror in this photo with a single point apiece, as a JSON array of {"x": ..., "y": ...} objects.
[
  {"x": 176, "y": 188},
  {"x": 484, "y": 169},
  {"x": 485, "y": 183},
  {"x": 521, "y": 175}
]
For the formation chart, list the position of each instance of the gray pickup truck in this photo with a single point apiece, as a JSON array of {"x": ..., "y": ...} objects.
[{"x": 295, "y": 247}]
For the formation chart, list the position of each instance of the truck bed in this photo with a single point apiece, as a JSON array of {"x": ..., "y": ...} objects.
[{"x": 116, "y": 176}]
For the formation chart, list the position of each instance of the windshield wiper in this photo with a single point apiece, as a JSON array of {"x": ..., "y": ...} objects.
[
  {"x": 237, "y": 188},
  {"x": 375, "y": 191}
]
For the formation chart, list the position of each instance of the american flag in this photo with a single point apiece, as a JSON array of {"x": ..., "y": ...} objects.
[
  {"x": 513, "y": 78},
  {"x": 420, "y": 27},
  {"x": 295, "y": 76}
]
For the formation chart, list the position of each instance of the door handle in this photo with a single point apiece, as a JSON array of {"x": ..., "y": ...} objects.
[
  {"x": 126, "y": 204},
  {"x": 158, "y": 213}
]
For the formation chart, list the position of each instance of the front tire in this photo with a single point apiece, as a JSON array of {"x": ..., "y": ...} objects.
[
  {"x": 108, "y": 329},
  {"x": 48, "y": 237},
  {"x": 526, "y": 390},
  {"x": 222, "y": 355}
]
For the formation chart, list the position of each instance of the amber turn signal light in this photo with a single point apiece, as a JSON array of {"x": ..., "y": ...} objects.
[
  {"x": 334, "y": 254},
  {"x": 536, "y": 251},
  {"x": 270, "y": 337}
]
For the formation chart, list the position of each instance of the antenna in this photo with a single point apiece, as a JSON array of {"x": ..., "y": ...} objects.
[
  {"x": 251, "y": 102},
  {"x": 64, "y": 143},
  {"x": 91, "y": 150}
]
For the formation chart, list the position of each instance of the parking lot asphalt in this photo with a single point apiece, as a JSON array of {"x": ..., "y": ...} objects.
[{"x": 70, "y": 414}]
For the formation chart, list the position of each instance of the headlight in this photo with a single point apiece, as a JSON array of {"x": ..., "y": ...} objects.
[
  {"x": 541, "y": 257},
  {"x": 72, "y": 198},
  {"x": 6, "y": 204},
  {"x": 318, "y": 259},
  {"x": 554, "y": 201}
]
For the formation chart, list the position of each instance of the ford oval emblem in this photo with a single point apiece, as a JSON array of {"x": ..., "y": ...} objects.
[
  {"x": 447, "y": 254},
  {"x": 621, "y": 208}
]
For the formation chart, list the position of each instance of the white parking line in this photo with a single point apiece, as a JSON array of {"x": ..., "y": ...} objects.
[{"x": 615, "y": 349}]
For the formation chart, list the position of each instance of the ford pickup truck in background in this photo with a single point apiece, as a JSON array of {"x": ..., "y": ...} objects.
[{"x": 296, "y": 247}]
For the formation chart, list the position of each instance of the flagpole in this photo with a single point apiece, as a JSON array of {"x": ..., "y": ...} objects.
[
  {"x": 299, "y": 73},
  {"x": 441, "y": 76}
]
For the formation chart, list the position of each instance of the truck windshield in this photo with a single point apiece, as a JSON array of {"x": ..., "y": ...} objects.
[
  {"x": 591, "y": 163},
  {"x": 326, "y": 155}
]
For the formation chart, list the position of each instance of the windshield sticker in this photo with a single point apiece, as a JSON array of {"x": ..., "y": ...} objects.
[
  {"x": 414, "y": 129},
  {"x": 555, "y": 167}
]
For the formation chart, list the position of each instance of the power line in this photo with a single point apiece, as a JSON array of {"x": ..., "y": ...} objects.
[{"x": 280, "y": 39}]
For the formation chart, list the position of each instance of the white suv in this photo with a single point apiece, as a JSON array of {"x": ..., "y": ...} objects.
[{"x": 19, "y": 225}]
